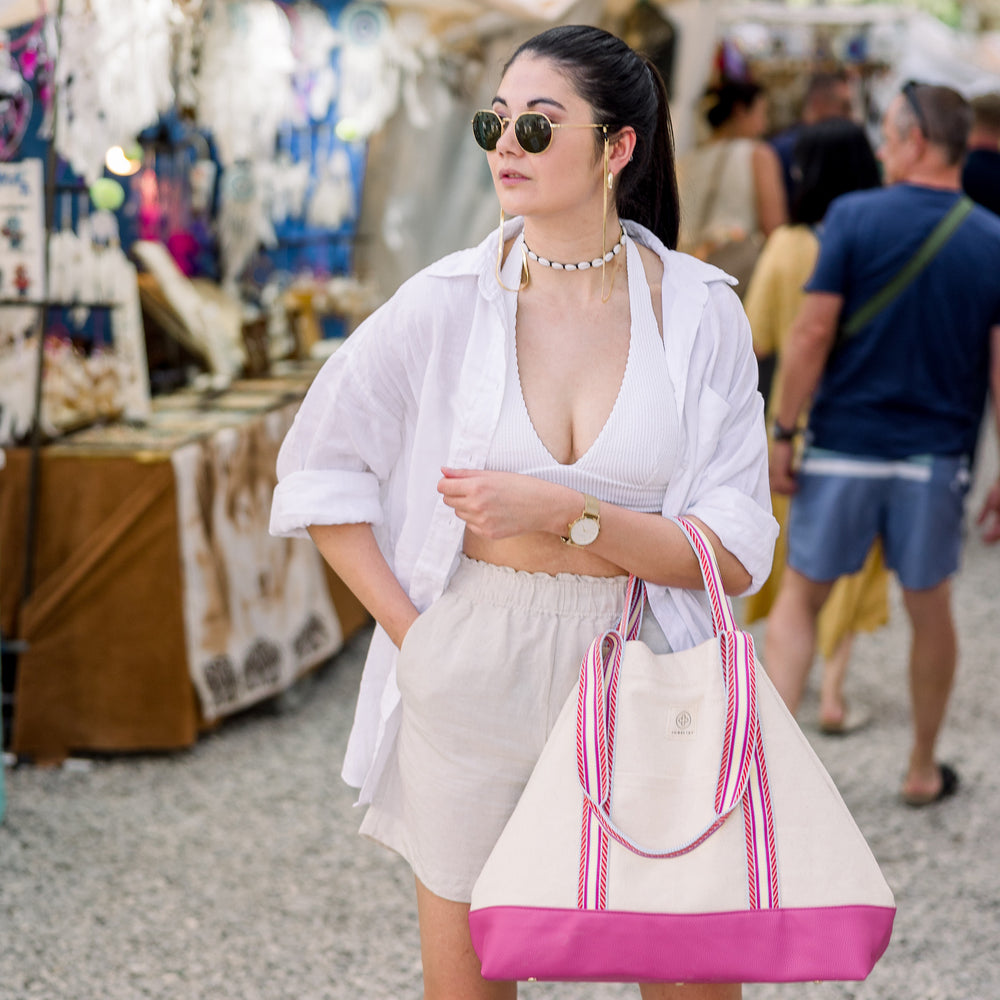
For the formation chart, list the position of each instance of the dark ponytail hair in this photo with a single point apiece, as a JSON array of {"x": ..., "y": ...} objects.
[
  {"x": 722, "y": 101},
  {"x": 831, "y": 158},
  {"x": 624, "y": 89}
]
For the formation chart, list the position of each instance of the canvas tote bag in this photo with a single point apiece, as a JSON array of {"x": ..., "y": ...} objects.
[{"x": 679, "y": 828}]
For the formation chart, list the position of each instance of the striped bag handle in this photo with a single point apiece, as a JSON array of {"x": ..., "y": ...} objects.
[{"x": 597, "y": 704}]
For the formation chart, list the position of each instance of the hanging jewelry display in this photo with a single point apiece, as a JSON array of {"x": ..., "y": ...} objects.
[
  {"x": 113, "y": 77},
  {"x": 333, "y": 198},
  {"x": 314, "y": 79},
  {"x": 244, "y": 83}
]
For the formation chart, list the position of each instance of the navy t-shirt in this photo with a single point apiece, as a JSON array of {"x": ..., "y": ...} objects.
[
  {"x": 981, "y": 178},
  {"x": 914, "y": 380}
]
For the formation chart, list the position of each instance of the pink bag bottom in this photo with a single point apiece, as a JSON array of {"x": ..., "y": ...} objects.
[{"x": 753, "y": 946}]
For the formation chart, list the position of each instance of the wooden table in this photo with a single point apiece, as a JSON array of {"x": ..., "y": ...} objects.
[{"x": 160, "y": 604}]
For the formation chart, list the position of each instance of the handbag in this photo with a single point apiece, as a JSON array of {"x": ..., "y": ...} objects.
[
  {"x": 736, "y": 255},
  {"x": 678, "y": 827}
]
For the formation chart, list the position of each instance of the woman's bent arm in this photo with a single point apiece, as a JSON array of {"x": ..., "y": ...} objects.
[
  {"x": 769, "y": 189},
  {"x": 501, "y": 506},
  {"x": 354, "y": 555}
]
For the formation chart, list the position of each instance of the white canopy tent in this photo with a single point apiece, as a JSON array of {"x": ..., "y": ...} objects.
[
  {"x": 913, "y": 43},
  {"x": 427, "y": 189}
]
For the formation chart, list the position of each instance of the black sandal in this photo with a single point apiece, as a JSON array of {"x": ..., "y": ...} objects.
[{"x": 949, "y": 785}]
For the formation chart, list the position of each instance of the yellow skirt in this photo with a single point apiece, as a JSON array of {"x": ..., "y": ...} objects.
[{"x": 857, "y": 603}]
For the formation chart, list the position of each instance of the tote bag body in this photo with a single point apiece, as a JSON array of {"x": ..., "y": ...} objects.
[{"x": 678, "y": 827}]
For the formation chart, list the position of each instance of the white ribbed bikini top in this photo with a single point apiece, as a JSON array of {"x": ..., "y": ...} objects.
[{"x": 631, "y": 461}]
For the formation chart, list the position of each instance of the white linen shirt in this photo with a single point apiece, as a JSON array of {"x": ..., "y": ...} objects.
[{"x": 419, "y": 386}]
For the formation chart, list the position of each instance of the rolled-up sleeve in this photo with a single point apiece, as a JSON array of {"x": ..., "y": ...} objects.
[
  {"x": 348, "y": 433},
  {"x": 729, "y": 490}
]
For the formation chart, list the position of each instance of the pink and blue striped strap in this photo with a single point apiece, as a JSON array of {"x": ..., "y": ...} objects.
[
  {"x": 742, "y": 775},
  {"x": 595, "y": 741}
]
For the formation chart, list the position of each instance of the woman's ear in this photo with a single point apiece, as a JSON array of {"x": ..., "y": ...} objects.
[{"x": 621, "y": 148}]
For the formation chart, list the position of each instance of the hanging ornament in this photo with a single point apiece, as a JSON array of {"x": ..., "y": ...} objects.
[
  {"x": 364, "y": 24},
  {"x": 369, "y": 75},
  {"x": 332, "y": 202},
  {"x": 106, "y": 193}
]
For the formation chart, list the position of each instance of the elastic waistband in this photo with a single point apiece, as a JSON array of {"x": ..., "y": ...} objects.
[{"x": 540, "y": 593}]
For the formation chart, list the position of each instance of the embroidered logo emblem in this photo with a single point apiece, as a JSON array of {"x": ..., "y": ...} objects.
[{"x": 683, "y": 723}]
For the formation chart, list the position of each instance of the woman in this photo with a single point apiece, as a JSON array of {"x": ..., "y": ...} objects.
[
  {"x": 831, "y": 158},
  {"x": 448, "y": 449},
  {"x": 731, "y": 187}
]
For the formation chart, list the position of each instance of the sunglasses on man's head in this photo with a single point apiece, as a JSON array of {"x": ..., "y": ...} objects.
[
  {"x": 910, "y": 89},
  {"x": 532, "y": 129}
]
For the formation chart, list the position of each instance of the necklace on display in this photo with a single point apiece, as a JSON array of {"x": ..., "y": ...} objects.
[{"x": 583, "y": 265}]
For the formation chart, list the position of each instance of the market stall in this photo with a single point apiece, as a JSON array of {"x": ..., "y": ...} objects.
[
  {"x": 165, "y": 304},
  {"x": 161, "y": 604}
]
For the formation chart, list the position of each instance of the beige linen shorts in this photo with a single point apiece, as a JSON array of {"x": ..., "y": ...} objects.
[{"x": 483, "y": 674}]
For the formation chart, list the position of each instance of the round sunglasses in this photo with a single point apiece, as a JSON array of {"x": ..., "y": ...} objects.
[{"x": 532, "y": 129}]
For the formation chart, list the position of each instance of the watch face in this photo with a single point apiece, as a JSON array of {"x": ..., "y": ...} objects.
[{"x": 585, "y": 530}]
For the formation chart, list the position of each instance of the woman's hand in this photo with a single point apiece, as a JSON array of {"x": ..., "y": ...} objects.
[{"x": 499, "y": 505}]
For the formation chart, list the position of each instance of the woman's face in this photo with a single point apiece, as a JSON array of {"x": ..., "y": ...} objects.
[{"x": 566, "y": 175}]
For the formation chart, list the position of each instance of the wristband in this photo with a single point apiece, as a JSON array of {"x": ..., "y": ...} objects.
[{"x": 779, "y": 433}]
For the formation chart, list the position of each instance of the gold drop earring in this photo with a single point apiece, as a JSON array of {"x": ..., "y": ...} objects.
[
  {"x": 605, "y": 296},
  {"x": 525, "y": 274}
]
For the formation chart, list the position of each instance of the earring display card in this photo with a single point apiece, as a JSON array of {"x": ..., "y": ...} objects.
[{"x": 22, "y": 231}]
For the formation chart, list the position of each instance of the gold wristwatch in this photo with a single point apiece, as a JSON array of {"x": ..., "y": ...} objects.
[{"x": 585, "y": 529}]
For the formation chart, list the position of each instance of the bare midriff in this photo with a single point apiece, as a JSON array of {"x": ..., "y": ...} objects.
[{"x": 539, "y": 552}]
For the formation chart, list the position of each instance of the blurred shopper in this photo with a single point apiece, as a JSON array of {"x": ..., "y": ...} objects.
[
  {"x": 828, "y": 95},
  {"x": 731, "y": 190},
  {"x": 831, "y": 158},
  {"x": 900, "y": 400},
  {"x": 981, "y": 174},
  {"x": 495, "y": 449}
]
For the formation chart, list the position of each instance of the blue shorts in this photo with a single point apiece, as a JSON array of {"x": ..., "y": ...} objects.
[{"x": 915, "y": 505}]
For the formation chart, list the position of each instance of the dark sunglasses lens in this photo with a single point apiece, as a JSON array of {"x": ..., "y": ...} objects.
[
  {"x": 533, "y": 132},
  {"x": 486, "y": 128}
]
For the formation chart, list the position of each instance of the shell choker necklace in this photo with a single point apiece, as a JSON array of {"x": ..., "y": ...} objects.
[{"x": 584, "y": 265}]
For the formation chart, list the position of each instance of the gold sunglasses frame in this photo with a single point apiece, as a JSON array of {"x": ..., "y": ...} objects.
[{"x": 506, "y": 121}]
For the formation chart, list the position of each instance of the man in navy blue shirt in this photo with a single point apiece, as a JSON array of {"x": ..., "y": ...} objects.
[{"x": 896, "y": 410}]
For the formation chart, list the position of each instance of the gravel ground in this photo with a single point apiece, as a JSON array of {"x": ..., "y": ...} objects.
[{"x": 233, "y": 870}]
